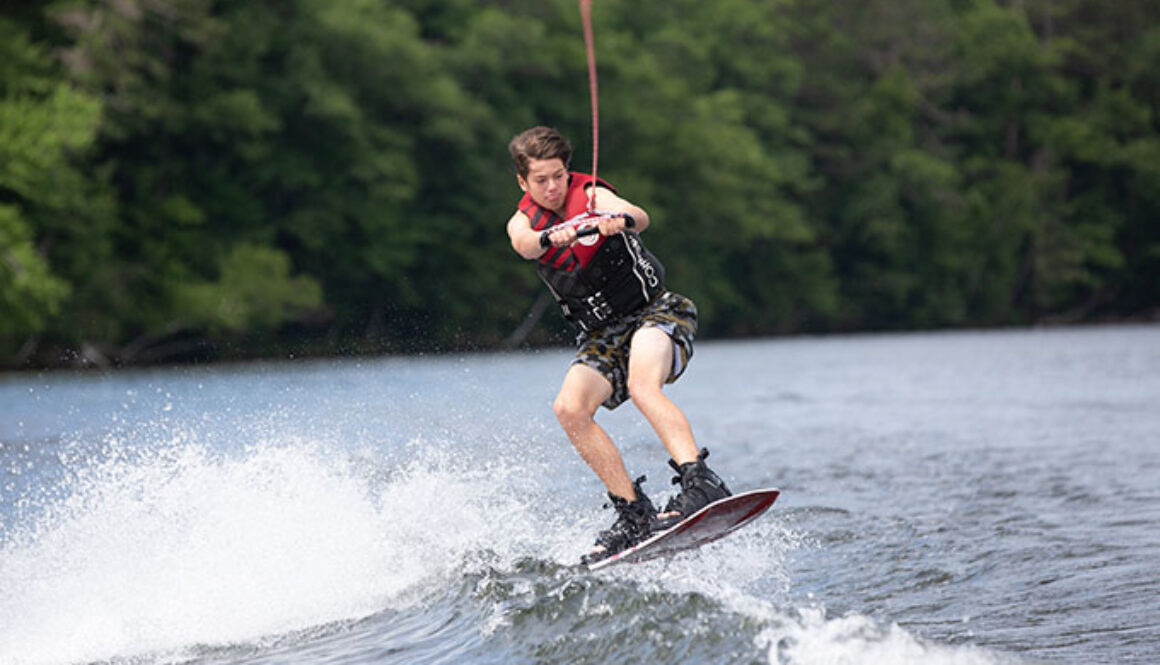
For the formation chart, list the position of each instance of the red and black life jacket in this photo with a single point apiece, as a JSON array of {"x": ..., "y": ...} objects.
[{"x": 599, "y": 279}]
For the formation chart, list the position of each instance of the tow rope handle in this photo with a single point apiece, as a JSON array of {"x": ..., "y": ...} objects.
[{"x": 587, "y": 225}]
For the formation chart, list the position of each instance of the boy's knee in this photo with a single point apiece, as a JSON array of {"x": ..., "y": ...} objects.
[
  {"x": 641, "y": 391},
  {"x": 569, "y": 410}
]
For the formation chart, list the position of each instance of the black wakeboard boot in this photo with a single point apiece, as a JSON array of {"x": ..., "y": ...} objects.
[
  {"x": 635, "y": 522},
  {"x": 699, "y": 487}
]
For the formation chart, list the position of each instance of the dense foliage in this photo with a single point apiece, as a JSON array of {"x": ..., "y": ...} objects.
[{"x": 218, "y": 178}]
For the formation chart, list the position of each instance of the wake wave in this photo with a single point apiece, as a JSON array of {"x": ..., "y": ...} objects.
[
  {"x": 178, "y": 551},
  {"x": 181, "y": 546},
  {"x": 810, "y": 638}
]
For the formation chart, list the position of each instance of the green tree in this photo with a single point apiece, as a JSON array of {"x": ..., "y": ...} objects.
[
  {"x": 334, "y": 175},
  {"x": 51, "y": 215}
]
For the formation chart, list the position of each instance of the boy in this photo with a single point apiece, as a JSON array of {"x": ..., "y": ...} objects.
[{"x": 612, "y": 288}]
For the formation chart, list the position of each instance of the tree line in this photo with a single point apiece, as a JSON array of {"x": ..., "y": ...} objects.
[{"x": 201, "y": 179}]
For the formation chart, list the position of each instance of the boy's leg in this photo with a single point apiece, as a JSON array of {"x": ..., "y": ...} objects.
[
  {"x": 650, "y": 363},
  {"x": 649, "y": 366},
  {"x": 583, "y": 391}
]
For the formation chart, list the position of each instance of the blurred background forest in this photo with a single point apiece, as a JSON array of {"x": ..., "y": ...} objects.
[{"x": 187, "y": 180}]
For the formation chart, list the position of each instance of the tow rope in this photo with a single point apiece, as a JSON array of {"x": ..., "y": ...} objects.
[{"x": 590, "y": 47}]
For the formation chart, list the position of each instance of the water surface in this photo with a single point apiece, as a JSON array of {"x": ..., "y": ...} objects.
[{"x": 974, "y": 497}]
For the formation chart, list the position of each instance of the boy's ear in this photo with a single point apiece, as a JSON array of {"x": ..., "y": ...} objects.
[{"x": 523, "y": 183}]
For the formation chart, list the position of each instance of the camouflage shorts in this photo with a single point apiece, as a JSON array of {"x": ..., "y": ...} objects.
[{"x": 606, "y": 350}]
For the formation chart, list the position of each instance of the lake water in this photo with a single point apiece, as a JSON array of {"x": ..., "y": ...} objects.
[{"x": 962, "y": 498}]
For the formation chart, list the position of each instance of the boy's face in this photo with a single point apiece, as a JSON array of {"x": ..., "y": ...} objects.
[{"x": 547, "y": 182}]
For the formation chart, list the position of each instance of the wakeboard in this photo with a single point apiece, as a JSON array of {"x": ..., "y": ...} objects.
[{"x": 714, "y": 521}]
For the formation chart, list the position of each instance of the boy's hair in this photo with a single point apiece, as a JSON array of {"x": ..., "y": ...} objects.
[{"x": 538, "y": 143}]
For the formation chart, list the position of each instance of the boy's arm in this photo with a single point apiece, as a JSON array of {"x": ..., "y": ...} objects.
[
  {"x": 525, "y": 241},
  {"x": 608, "y": 201}
]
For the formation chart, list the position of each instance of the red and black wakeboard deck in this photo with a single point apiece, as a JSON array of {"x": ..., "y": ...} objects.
[{"x": 714, "y": 521}]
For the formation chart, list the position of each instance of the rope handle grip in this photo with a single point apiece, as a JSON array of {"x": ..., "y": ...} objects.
[{"x": 587, "y": 225}]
